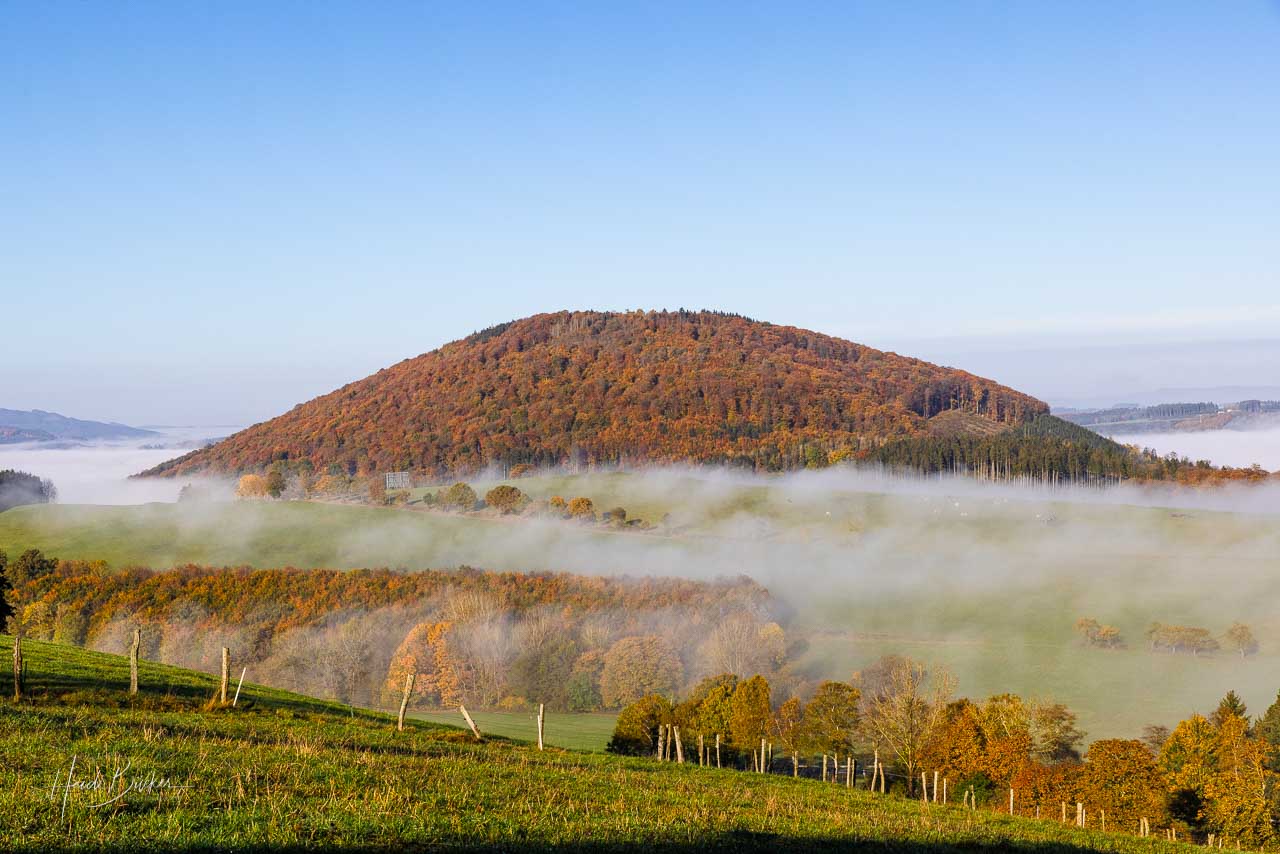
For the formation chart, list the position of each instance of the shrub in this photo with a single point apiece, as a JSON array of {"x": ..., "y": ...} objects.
[
  {"x": 582, "y": 508},
  {"x": 460, "y": 496},
  {"x": 521, "y": 470},
  {"x": 636, "y": 731},
  {"x": 506, "y": 499}
]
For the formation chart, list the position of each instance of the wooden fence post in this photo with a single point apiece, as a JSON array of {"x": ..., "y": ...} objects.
[
  {"x": 717, "y": 750},
  {"x": 17, "y": 666},
  {"x": 133, "y": 661},
  {"x": 944, "y": 790},
  {"x": 226, "y": 675},
  {"x": 935, "y": 787},
  {"x": 924, "y": 787},
  {"x": 824, "y": 767},
  {"x": 404, "y": 699},
  {"x": 1010, "y": 801},
  {"x": 679, "y": 746},
  {"x": 542, "y": 716},
  {"x": 850, "y": 768},
  {"x": 762, "y": 755},
  {"x": 702, "y": 752},
  {"x": 474, "y": 729},
  {"x": 1064, "y": 812}
]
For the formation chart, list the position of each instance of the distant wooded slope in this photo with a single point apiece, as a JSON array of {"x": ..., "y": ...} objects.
[{"x": 591, "y": 388}]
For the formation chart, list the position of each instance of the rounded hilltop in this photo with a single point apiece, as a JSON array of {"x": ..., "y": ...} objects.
[{"x": 629, "y": 388}]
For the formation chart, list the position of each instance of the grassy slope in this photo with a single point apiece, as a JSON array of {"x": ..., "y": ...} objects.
[
  {"x": 291, "y": 773},
  {"x": 1001, "y": 587},
  {"x": 590, "y": 732}
]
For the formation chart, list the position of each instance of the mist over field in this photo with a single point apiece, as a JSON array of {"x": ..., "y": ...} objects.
[
  {"x": 99, "y": 473},
  {"x": 985, "y": 579}
]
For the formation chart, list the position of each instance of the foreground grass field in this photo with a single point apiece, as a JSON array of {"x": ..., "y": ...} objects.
[
  {"x": 986, "y": 581},
  {"x": 287, "y": 773},
  {"x": 589, "y": 732}
]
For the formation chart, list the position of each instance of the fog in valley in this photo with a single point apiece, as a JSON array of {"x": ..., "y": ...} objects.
[
  {"x": 1237, "y": 448},
  {"x": 985, "y": 579}
]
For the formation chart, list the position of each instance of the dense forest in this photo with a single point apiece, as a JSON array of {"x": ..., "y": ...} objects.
[
  {"x": 1048, "y": 449},
  {"x": 598, "y": 388}
]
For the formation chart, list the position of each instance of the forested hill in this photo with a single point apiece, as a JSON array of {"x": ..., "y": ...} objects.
[{"x": 626, "y": 388}]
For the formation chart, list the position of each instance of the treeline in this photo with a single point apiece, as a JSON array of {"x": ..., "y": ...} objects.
[
  {"x": 1049, "y": 450},
  {"x": 901, "y": 727},
  {"x": 1162, "y": 637},
  {"x": 19, "y": 487},
  {"x": 601, "y": 388},
  {"x": 493, "y": 639}
]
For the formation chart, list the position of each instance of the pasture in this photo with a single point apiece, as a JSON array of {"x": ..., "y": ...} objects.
[
  {"x": 162, "y": 771},
  {"x": 987, "y": 581}
]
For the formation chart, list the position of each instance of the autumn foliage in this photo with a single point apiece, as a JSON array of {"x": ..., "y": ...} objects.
[{"x": 589, "y": 388}]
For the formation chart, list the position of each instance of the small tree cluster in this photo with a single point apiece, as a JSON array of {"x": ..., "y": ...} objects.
[{"x": 1095, "y": 634}]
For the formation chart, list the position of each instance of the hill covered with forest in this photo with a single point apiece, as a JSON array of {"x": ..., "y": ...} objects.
[{"x": 599, "y": 388}]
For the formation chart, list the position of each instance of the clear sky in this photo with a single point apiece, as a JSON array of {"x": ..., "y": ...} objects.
[{"x": 211, "y": 211}]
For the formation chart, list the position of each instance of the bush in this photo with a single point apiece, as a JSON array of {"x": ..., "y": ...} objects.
[
  {"x": 521, "y": 470},
  {"x": 582, "y": 508},
  {"x": 636, "y": 731},
  {"x": 506, "y": 499},
  {"x": 459, "y": 496}
]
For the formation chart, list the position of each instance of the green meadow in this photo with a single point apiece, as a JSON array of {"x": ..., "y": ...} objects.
[
  {"x": 986, "y": 582},
  {"x": 168, "y": 771}
]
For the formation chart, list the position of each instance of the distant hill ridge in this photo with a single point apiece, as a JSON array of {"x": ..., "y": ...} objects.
[
  {"x": 597, "y": 388},
  {"x": 40, "y": 426}
]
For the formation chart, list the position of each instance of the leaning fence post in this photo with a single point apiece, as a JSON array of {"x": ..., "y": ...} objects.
[
  {"x": 239, "y": 685},
  {"x": 474, "y": 729},
  {"x": 133, "y": 661},
  {"x": 404, "y": 699},
  {"x": 542, "y": 716},
  {"x": 226, "y": 675}
]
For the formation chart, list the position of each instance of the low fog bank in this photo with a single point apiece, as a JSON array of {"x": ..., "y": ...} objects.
[
  {"x": 98, "y": 473},
  {"x": 1237, "y": 448}
]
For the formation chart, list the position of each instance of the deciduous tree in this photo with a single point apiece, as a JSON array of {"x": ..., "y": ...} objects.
[{"x": 637, "y": 666}]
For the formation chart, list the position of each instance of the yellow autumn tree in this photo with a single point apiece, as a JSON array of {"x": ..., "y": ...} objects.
[{"x": 251, "y": 486}]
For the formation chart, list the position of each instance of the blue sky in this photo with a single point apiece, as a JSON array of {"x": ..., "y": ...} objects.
[{"x": 213, "y": 211}]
